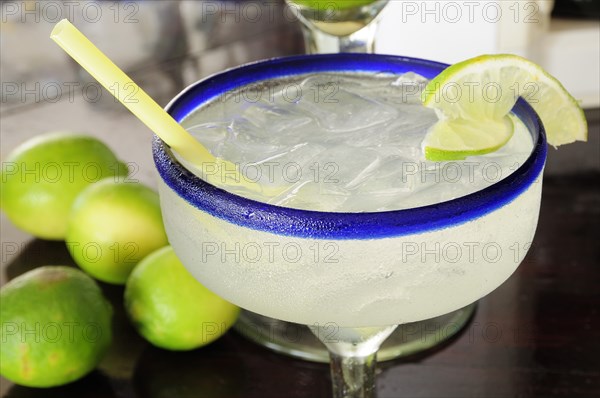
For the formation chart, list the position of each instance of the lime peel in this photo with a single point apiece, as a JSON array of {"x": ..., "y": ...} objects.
[
  {"x": 56, "y": 327},
  {"x": 451, "y": 139},
  {"x": 483, "y": 90}
]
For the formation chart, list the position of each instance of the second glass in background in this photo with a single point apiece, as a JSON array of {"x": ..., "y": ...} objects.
[{"x": 338, "y": 26}]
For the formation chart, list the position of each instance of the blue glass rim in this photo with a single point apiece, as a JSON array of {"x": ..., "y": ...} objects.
[{"x": 329, "y": 225}]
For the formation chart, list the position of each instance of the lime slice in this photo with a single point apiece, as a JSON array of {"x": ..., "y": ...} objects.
[
  {"x": 455, "y": 139},
  {"x": 473, "y": 97}
]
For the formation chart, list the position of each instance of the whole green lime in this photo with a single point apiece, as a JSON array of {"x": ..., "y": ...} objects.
[
  {"x": 170, "y": 308},
  {"x": 55, "y": 326},
  {"x": 43, "y": 175},
  {"x": 112, "y": 226}
]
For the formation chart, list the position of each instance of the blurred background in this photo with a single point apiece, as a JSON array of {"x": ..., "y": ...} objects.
[
  {"x": 167, "y": 45},
  {"x": 163, "y": 45}
]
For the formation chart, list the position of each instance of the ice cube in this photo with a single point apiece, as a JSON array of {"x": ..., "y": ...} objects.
[
  {"x": 211, "y": 134},
  {"x": 348, "y": 166},
  {"x": 308, "y": 195},
  {"x": 274, "y": 120},
  {"x": 337, "y": 109}
]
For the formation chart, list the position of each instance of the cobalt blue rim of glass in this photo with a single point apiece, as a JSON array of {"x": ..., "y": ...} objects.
[{"x": 329, "y": 225}]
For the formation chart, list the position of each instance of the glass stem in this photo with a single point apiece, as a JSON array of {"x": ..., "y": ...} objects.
[
  {"x": 352, "y": 376},
  {"x": 353, "y": 353},
  {"x": 362, "y": 41}
]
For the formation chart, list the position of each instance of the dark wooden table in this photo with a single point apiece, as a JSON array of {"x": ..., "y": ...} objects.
[{"x": 538, "y": 335}]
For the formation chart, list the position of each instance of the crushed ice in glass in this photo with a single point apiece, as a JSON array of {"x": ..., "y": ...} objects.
[{"x": 343, "y": 143}]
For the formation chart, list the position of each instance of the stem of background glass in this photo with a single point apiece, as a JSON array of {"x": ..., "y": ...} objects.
[
  {"x": 352, "y": 353},
  {"x": 361, "y": 41}
]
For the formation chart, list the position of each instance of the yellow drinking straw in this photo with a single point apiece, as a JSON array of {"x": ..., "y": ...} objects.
[{"x": 142, "y": 106}]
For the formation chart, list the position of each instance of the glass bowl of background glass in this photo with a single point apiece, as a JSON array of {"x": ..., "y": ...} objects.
[
  {"x": 350, "y": 263},
  {"x": 338, "y": 26}
]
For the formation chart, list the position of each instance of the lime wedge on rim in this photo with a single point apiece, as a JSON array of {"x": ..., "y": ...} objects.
[
  {"x": 474, "y": 97},
  {"x": 455, "y": 139}
]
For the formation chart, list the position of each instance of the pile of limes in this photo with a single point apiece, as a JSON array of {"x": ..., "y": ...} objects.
[{"x": 55, "y": 321}]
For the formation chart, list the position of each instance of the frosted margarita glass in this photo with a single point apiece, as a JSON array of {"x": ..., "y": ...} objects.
[{"x": 351, "y": 269}]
